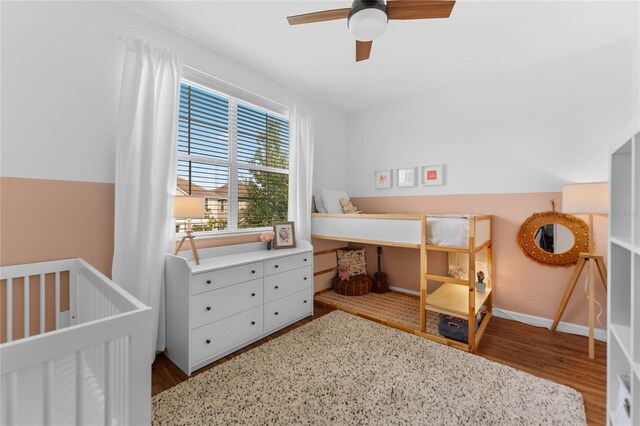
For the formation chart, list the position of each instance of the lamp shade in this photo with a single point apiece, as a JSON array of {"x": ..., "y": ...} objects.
[
  {"x": 188, "y": 207},
  {"x": 585, "y": 198}
]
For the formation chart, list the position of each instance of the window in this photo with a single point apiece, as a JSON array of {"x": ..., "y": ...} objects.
[{"x": 234, "y": 152}]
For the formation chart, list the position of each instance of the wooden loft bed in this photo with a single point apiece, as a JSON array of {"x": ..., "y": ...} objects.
[{"x": 455, "y": 297}]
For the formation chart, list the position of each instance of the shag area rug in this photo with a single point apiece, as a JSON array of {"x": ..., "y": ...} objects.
[{"x": 343, "y": 370}]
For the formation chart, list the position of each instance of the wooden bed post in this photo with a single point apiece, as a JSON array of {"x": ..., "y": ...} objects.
[
  {"x": 423, "y": 274},
  {"x": 472, "y": 285}
]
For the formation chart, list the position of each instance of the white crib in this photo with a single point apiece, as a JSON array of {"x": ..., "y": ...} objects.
[{"x": 75, "y": 348}]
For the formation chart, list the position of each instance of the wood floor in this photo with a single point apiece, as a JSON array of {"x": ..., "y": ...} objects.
[{"x": 559, "y": 357}]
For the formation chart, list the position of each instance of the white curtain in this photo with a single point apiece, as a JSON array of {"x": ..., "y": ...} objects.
[
  {"x": 301, "y": 172},
  {"x": 146, "y": 151}
]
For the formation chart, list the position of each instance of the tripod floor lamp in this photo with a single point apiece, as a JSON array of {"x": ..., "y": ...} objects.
[
  {"x": 585, "y": 199},
  {"x": 188, "y": 208}
]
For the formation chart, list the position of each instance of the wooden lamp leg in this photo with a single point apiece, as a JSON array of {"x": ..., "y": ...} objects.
[
  {"x": 190, "y": 237},
  {"x": 195, "y": 251},
  {"x": 180, "y": 245},
  {"x": 594, "y": 263},
  {"x": 592, "y": 312},
  {"x": 568, "y": 292}
]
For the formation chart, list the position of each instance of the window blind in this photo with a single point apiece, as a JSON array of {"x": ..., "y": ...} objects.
[{"x": 234, "y": 154}]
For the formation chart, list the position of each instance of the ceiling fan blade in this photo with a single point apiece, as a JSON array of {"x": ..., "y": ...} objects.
[
  {"x": 325, "y": 15},
  {"x": 363, "y": 50},
  {"x": 415, "y": 9}
]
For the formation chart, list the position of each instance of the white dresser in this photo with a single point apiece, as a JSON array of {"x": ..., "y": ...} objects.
[{"x": 237, "y": 295}]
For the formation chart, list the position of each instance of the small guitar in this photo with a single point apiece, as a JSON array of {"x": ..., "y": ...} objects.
[{"x": 380, "y": 284}]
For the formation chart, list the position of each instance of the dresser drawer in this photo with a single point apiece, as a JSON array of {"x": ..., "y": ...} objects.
[
  {"x": 286, "y": 283},
  {"x": 218, "y": 304},
  {"x": 225, "y": 277},
  {"x": 224, "y": 334},
  {"x": 286, "y": 309},
  {"x": 275, "y": 266}
]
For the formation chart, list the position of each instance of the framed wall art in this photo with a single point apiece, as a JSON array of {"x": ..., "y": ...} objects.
[
  {"x": 432, "y": 175},
  {"x": 406, "y": 177},
  {"x": 382, "y": 179}
]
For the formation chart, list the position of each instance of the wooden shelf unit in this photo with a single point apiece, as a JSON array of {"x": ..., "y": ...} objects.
[
  {"x": 455, "y": 297},
  {"x": 459, "y": 297}
]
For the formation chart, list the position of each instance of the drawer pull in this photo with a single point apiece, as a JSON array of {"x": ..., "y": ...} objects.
[
  {"x": 276, "y": 266},
  {"x": 276, "y": 287},
  {"x": 253, "y": 323},
  {"x": 305, "y": 278},
  {"x": 253, "y": 295},
  {"x": 305, "y": 260},
  {"x": 208, "y": 308},
  {"x": 253, "y": 272},
  {"x": 208, "y": 281},
  {"x": 276, "y": 313},
  {"x": 305, "y": 301},
  {"x": 208, "y": 341}
]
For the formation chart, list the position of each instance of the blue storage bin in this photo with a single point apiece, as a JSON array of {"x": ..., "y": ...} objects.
[{"x": 454, "y": 328}]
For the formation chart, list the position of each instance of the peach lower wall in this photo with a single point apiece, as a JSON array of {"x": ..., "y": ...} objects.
[
  {"x": 520, "y": 284},
  {"x": 43, "y": 220}
]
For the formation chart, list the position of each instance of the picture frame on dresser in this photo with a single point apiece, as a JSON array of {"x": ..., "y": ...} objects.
[{"x": 285, "y": 235}]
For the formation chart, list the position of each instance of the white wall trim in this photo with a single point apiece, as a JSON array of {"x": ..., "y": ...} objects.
[
  {"x": 564, "y": 327},
  {"x": 404, "y": 290}
]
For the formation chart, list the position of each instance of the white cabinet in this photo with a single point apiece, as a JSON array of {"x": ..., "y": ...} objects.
[
  {"x": 623, "y": 347},
  {"x": 237, "y": 295}
]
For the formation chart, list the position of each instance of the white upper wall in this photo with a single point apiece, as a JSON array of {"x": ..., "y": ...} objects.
[
  {"x": 528, "y": 130},
  {"x": 61, "y": 73}
]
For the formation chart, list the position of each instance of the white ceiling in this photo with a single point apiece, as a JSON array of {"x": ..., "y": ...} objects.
[{"x": 479, "y": 39}]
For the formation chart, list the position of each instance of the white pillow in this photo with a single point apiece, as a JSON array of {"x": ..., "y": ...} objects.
[
  {"x": 331, "y": 200},
  {"x": 320, "y": 208}
]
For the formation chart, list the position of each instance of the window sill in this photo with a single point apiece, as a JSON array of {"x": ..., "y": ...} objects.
[{"x": 227, "y": 233}]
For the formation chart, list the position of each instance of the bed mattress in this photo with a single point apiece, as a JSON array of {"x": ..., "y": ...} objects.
[{"x": 448, "y": 230}]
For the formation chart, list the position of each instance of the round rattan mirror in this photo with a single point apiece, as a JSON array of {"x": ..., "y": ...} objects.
[{"x": 553, "y": 238}]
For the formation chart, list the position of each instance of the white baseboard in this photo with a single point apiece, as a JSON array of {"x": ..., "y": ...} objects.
[
  {"x": 564, "y": 327},
  {"x": 404, "y": 290}
]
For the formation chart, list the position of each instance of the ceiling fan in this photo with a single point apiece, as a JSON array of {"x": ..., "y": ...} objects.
[{"x": 367, "y": 19}]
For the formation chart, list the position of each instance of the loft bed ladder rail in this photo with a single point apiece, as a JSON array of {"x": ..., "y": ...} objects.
[{"x": 475, "y": 336}]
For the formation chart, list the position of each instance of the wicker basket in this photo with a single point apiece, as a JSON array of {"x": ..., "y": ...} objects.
[{"x": 358, "y": 285}]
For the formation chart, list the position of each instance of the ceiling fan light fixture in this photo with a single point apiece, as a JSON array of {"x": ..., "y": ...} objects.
[{"x": 369, "y": 22}]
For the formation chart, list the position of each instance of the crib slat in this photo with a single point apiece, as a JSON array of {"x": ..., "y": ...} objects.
[
  {"x": 73, "y": 297},
  {"x": 79, "y": 389},
  {"x": 107, "y": 385},
  {"x": 9, "y": 309},
  {"x": 42, "y": 305},
  {"x": 27, "y": 328},
  {"x": 47, "y": 394},
  {"x": 57, "y": 312}
]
